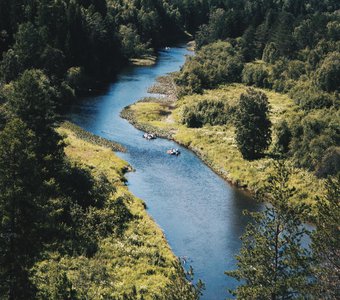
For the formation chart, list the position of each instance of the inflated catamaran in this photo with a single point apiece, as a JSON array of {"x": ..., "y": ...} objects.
[
  {"x": 173, "y": 152},
  {"x": 149, "y": 136}
]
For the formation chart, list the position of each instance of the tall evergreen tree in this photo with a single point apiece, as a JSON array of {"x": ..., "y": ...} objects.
[
  {"x": 32, "y": 99},
  {"x": 20, "y": 209},
  {"x": 253, "y": 127},
  {"x": 272, "y": 263},
  {"x": 326, "y": 241}
]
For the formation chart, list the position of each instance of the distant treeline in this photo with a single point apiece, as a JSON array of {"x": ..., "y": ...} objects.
[{"x": 288, "y": 46}]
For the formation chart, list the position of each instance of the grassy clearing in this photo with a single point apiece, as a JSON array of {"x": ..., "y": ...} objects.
[
  {"x": 147, "y": 60},
  {"x": 216, "y": 144},
  {"x": 139, "y": 263}
]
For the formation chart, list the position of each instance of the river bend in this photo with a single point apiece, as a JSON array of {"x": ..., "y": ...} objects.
[{"x": 200, "y": 214}]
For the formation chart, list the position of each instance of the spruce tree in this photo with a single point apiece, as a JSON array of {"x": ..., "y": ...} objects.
[
  {"x": 326, "y": 241},
  {"x": 253, "y": 127},
  {"x": 272, "y": 263},
  {"x": 32, "y": 99},
  {"x": 20, "y": 209}
]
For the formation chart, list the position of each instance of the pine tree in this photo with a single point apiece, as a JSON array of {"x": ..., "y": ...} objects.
[
  {"x": 32, "y": 99},
  {"x": 253, "y": 127},
  {"x": 20, "y": 209},
  {"x": 272, "y": 263},
  {"x": 326, "y": 241}
]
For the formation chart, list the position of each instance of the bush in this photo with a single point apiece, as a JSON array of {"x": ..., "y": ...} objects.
[
  {"x": 270, "y": 53},
  {"x": 308, "y": 96},
  {"x": 206, "y": 112},
  {"x": 312, "y": 135},
  {"x": 256, "y": 74},
  {"x": 328, "y": 75},
  {"x": 283, "y": 137},
  {"x": 330, "y": 163}
]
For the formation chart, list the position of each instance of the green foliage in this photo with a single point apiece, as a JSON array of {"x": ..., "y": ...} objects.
[
  {"x": 312, "y": 135},
  {"x": 308, "y": 96},
  {"x": 283, "y": 137},
  {"x": 270, "y": 53},
  {"x": 330, "y": 163},
  {"x": 20, "y": 209},
  {"x": 272, "y": 263},
  {"x": 206, "y": 112},
  {"x": 10, "y": 66},
  {"x": 222, "y": 24},
  {"x": 256, "y": 74},
  {"x": 328, "y": 75},
  {"x": 33, "y": 100},
  {"x": 28, "y": 45},
  {"x": 77, "y": 79},
  {"x": 253, "y": 127},
  {"x": 212, "y": 65},
  {"x": 180, "y": 289},
  {"x": 131, "y": 43},
  {"x": 326, "y": 241},
  {"x": 64, "y": 289}
]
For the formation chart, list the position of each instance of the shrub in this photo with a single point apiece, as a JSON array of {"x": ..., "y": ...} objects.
[
  {"x": 270, "y": 53},
  {"x": 283, "y": 137},
  {"x": 312, "y": 135},
  {"x": 330, "y": 163},
  {"x": 256, "y": 74},
  {"x": 206, "y": 112},
  {"x": 308, "y": 96},
  {"x": 328, "y": 75}
]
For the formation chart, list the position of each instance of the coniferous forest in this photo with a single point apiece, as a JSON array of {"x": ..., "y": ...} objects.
[{"x": 64, "y": 215}]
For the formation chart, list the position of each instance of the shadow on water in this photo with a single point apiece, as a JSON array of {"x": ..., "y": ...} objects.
[{"x": 200, "y": 214}]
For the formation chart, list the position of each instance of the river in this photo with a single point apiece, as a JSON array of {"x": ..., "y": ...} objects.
[{"x": 200, "y": 214}]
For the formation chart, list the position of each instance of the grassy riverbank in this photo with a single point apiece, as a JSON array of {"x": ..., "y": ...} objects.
[
  {"x": 137, "y": 263},
  {"x": 215, "y": 145}
]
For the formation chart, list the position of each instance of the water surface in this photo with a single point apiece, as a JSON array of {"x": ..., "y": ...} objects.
[{"x": 200, "y": 214}]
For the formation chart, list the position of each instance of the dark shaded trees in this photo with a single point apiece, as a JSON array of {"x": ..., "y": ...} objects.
[
  {"x": 253, "y": 127},
  {"x": 328, "y": 75},
  {"x": 33, "y": 99},
  {"x": 20, "y": 209},
  {"x": 214, "y": 64}
]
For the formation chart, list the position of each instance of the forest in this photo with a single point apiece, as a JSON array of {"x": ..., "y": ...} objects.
[{"x": 55, "y": 209}]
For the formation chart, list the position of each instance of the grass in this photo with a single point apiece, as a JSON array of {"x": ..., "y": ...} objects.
[
  {"x": 216, "y": 145},
  {"x": 147, "y": 60},
  {"x": 140, "y": 260}
]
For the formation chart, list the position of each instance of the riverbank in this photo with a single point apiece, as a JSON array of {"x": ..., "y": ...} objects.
[
  {"x": 215, "y": 145},
  {"x": 137, "y": 263}
]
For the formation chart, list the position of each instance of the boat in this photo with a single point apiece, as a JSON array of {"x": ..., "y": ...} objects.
[
  {"x": 149, "y": 136},
  {"x": 173, "y": 152}
]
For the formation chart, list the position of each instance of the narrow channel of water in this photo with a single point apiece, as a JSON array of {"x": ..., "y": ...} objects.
[{"x": 200, "y": 214}]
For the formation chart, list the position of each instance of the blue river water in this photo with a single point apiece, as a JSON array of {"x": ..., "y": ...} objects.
[{"x": 200, "y": 214}]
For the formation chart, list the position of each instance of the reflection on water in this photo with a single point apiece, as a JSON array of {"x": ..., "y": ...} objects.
[{"x": 200, "y": 214}]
